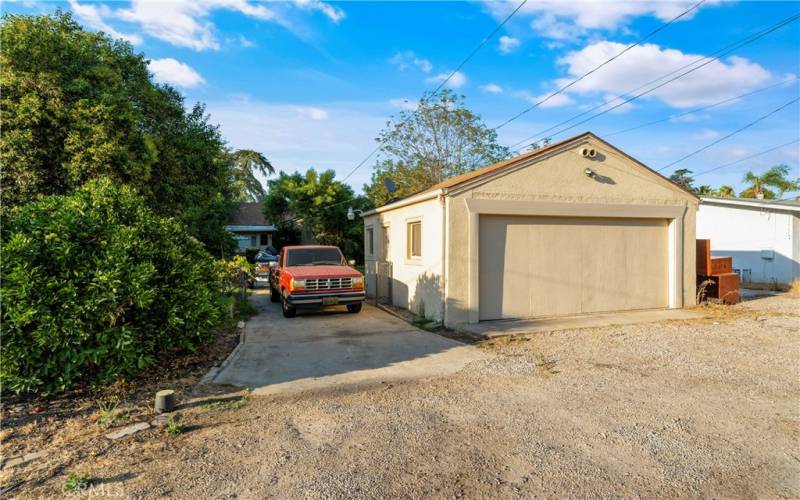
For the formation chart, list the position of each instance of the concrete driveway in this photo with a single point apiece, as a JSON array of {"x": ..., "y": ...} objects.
[{"x": 332, "y": 349}]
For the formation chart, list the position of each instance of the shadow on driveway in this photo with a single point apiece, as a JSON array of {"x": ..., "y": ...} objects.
[{"x": 331, "y": 349}]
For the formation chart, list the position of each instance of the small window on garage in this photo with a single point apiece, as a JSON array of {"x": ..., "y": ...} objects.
[
  {"x": 370, "y": 241},
  {"x": 414, "y": 240}
]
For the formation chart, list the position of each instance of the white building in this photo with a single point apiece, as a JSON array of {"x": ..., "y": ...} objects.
[
  {"x": 762, "y": 236},
  {"x": 575, "y": 227}
]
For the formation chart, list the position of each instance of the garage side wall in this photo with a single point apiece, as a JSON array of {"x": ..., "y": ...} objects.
[
  {"x": 415, "y": 283},
  {"x": 560, "y": 180}
]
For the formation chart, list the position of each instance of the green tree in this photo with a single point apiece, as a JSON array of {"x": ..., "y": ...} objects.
[
  {"x": 704, "y": 190},
  {"x": 776, "y": 177},
  {"x": 97, "y": 286},
  {"x": 683, "y": 178},
  {"x": 725, "y": 192},
  {"x": 246, "y": 165},
  {"x": 77, "y": 105},
  {"x": 438, "y": 140},
  {"x": 318, "y": 203}
]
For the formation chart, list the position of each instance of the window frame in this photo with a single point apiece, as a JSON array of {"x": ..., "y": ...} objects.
[
  {"x": 370, "y": 235},
  {"x": 410, "y": 224}
]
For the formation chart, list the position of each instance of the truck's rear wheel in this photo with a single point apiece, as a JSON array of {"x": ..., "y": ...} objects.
[
  {"x": 354, "y": 308},
  {"x": 288, "y": 310},
  {"x": 274, "y": 296}
]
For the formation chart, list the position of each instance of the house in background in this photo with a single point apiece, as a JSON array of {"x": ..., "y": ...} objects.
[
  {"x": 249, "y": 227},
  {"x": 575, "y": 227},
  {"x": 762, "y": 236}
]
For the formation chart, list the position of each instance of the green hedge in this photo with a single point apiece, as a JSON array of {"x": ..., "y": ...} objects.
[{"x": 96, "y": 286}]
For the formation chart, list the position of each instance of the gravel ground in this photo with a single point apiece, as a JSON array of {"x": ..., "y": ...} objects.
[{"x": 696, "y": 408}]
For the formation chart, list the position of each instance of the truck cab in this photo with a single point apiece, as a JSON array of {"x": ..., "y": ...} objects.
[{"x": 315, "y": 276}]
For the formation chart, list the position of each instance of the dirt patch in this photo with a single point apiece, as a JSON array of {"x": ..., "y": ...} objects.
[
  {"x": 676, "y": 409},
  {"x": 68, "y": 428}
]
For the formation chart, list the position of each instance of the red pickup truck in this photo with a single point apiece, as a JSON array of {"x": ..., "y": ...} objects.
[{"x": 314, "y": 276}]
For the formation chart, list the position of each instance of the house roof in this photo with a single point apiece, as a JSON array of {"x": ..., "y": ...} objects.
[
  {"x": 783, "y": 205},
  {"x": 249, "y": 214},
  {"x": 458, "y": 180}
]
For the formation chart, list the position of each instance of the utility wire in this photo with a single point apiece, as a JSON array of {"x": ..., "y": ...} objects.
[
  {"x": 435, "y": 91},
  {"x": 629, "y": 92},
  {"x": 452, "y": 73},
  {"x": 607, "y": 61},
  {"x": 696, "y": 110},
  {"x": 704, "y": 172},
  {"x": 735, "y": 46},
  {"x": 731, "y": 134}
]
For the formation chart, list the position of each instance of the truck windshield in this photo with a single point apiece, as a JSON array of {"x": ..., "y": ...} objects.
[{"x": 314, "y": 257}]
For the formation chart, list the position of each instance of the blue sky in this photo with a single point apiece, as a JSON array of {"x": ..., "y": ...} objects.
[{"x": 310, "y": 83}]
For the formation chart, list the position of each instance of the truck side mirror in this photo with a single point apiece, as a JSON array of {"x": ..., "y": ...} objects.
[{"x": 351, "y": 262}]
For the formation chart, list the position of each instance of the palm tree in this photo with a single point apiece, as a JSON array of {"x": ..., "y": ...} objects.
[
  {"x": 245, "y": 164},
  {"x": 776, "y": 177},
  {"x": 725, "y": 192},
  {"x": 704, "y": 190}
]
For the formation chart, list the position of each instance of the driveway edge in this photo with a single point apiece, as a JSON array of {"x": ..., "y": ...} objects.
[{"x": 209, "y": 377}]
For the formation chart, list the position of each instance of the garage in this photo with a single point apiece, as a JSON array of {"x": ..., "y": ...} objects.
[
  {"x": 553, "y": 266},
  {"x": 574, "y": 228}
]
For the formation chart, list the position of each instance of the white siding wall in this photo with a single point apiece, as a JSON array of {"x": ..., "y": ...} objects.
[
  {"x": 416, "y": 283},
  {"x": 751, "y": 236}
]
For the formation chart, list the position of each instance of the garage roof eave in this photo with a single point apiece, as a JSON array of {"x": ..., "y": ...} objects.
[{"x": 424, "y": 196}]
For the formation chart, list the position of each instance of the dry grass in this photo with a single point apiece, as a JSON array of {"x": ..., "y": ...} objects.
[
  {"x": 794, "y": 288},
  {"x": 70, "y": 426}
]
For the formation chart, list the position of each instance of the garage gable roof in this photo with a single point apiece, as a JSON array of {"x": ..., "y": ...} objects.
[
  {"x": 502, "y": 166},
  {"x": 487, "y": 172}
]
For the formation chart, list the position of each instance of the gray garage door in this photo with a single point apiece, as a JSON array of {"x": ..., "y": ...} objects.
[{"x": 551, "y": 266}]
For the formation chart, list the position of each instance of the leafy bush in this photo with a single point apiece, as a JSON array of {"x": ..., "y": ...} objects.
[{"x": 96, "y": 286}]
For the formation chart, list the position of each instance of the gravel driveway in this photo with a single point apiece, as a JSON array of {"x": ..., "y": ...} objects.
[{"x": 698, "y": 408}]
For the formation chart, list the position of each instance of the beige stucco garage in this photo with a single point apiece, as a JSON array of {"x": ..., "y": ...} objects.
[{"x": 576, "y": 227}]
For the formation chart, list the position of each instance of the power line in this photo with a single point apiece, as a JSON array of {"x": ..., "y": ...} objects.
[
  {"x": 730, "y": 135},
  {"x": 735, "y": 46},
  {"x": 703, "y": 108},
  {"x": 629, "y": 92},
  {"x": 480, "y": 45},
  {"x": 452, "y": 73},
  {"x": 746, "y": 158},
  {"x": 607, "y": 61}
]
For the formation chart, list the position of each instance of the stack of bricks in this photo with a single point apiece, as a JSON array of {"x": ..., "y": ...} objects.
[{"x": 715, "y": 276}]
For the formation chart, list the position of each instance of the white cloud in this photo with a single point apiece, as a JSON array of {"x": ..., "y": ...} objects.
[
  {"x": 245, "y": 42},
  {"x": 295, "y": 142},
  {"x": 92, "y": 15},
  {"x": 458, "y": 79},
  {"x": 311, "y": 112},
  {"x": 568, "y": 19},
  {"x": 335, "y": 14},
  {"x": 407, "y": 58},
  {"x": 508, "y": 44},
  {"x": 716, "y": 81},
  {"x": 174, "y": 72},
  {"x": 186, "y": 23},
  {"x": 492, "y": 88},
  {"x": 404, "y": 103},
  {"x": 707, "y": 134},
  {"x": 689, "y": 118},
  {"x": 556, "y": 101}
]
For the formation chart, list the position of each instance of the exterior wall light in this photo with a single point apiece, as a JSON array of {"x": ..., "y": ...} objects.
[{"x": 351, "y": 214}]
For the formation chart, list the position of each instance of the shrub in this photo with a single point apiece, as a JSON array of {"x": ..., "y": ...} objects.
[{"x": 96, "y": 287}]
